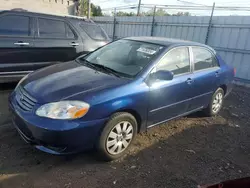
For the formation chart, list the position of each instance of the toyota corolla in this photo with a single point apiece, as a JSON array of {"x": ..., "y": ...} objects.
[{"x": 102, "y": 100}]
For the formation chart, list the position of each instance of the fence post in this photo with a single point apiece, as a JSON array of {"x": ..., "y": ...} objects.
[
  {"x": 153, "y": 22},
  {"x": 210, "y": 24},
  {"x": 113, "y": 37}
]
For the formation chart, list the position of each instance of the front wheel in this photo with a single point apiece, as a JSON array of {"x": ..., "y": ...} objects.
[
  {"x": 117, "y": 136},
  {"x": 216, "y": 103}
]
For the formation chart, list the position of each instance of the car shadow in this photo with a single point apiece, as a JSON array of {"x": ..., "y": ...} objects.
[{"x": 7, "y": 86}]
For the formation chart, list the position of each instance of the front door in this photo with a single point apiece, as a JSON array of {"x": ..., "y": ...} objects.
[
  {"x": 55, "y": 41},
  {"x": 16, "y": 44},
  {"x": 169, "y": 99}
]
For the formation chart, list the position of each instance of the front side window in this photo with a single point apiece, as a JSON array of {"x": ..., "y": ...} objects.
[
  {"x": 12, "y": 25},
  {"x": 203, "y": 59},
  {"x": 51, "y": 28},
  {"x": 176, "y": 61},
  {"x": 125, "y": 57}
]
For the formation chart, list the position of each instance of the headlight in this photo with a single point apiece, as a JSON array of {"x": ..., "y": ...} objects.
[{"x": 63, "y": 110}]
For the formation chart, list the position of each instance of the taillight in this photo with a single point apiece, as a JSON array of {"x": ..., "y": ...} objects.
[{"x": 234, "y": 71}]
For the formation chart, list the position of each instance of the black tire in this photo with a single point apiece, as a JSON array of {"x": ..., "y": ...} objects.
[
  {"x": 114, "y": 120},
  {"x": 209, "y": 110}
]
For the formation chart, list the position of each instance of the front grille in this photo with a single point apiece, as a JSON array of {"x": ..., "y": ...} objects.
[{"x": 24, "y": 100}]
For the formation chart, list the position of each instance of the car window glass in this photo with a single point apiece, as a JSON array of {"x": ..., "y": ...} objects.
[
  {"x": 14, "y": 25},
  {"x": 203, "y": 59},
  {"x": 124, "y": 56},
  {"x": 51, "y": 28},
  {"x": 94, "y": 31},
  {"x": 111, "y": 53},
  {"x": 176, "y": 61},
  {"x": 69, "y": 32}
]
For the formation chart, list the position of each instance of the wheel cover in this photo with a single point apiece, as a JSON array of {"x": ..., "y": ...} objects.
[
  {"x": 119, "y": 137},
  {"x": 217, "y": 102}
]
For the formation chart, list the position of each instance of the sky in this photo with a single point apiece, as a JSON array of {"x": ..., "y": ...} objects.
[{"x": 242, "y": 3}]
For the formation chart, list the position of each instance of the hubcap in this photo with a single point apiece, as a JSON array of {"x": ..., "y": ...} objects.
[
  {"x": 217, "y": 102},
  {"x": 119, "y": 138}
]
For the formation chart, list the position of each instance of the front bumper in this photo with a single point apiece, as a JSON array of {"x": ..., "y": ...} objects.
[{"x": 55, "y": 136}]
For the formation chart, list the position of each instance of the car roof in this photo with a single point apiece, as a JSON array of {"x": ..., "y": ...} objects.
[
  {"x": 166, "y": 41},
  {"x": 23, "y": 11}
]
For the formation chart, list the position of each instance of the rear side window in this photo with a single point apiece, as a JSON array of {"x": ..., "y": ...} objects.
[
  {"x": 51, "y": 28},
  {"x": 176, "y": 61},
  {"x": 94, "y": 31},
  {"x": 203, "y": 59},
  {"x": 12, "y": 25}
]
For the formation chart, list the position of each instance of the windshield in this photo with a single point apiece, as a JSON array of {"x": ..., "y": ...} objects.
[
  {"x": 124, "y": 56},
  {"x": 94, "y": 31}
]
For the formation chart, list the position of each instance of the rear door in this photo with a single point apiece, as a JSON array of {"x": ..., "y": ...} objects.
[
  {"x": 55, "y": 41},
  {"x": 16, "y": 44},
  {"x": 206, "y": 75}
]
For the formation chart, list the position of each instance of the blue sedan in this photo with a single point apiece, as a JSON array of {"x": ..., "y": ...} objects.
[{"x": 102, "y": 100}]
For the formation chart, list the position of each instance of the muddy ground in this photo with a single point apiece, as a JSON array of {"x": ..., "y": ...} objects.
[{"x": 182, "y": 153}]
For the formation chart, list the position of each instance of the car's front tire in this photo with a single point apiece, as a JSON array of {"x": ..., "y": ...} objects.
[
  {"x": 117, "y": 136},
  {"x": 216, "y": 103}
]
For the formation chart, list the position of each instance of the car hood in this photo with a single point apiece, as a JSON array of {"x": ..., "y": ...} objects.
[{"x": 66, "y": 80}]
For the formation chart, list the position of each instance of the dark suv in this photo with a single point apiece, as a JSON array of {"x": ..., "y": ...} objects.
[{"x": 29, "y": 41}]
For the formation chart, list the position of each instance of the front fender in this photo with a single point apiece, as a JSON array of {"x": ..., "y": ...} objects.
[{"x": 128, "y": 98}]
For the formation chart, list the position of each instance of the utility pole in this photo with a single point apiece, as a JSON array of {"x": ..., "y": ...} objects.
[
  {"x": 153, "y": 22},
  {"x": 139, "y": 6},
  {"x": 114, "y": 24},
  {"x": 210, "y": 24},
  {"x": 89, "y": 8}
]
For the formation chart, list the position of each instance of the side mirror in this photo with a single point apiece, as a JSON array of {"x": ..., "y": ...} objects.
[{"x": 162, "y": 75}]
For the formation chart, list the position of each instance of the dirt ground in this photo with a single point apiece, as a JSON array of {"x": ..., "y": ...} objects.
[{"x": 181, "y": 153}]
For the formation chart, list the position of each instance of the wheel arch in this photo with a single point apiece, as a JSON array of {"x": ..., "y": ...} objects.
[
  {"x": 224, "y": 87},
  {"x": 135, "y": 114}
]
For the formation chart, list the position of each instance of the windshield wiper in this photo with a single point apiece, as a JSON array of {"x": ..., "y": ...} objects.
[
  {"x": 107, "y": 69},
  {"x": 102, "y": 67},
  {"x": 86, "y": 62}
]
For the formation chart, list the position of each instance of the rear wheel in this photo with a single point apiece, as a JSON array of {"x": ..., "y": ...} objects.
[
  {"x": 117, "y": 136},
  {"x": 216, "y": 103}
]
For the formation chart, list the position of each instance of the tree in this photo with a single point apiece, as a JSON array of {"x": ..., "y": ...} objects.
[
  {"x": 96, "y": 10},
  {"x": 83, "y": 9},
  {"x": 121, "y": 13},
  {"x": 161, "y": 12},
  {"x": 182, "y": 14},
  {"x": 158, "y": 12}
]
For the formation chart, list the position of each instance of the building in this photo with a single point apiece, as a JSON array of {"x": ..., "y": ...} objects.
[{"x": 43, "y": 6}]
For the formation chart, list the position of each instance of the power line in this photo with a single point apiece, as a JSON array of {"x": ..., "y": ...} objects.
[
  {"x": 182, "y": 7},
  {"x": 101, "y": 1},
  {"x": 189, "y": 2},
  {"x": 121, "y": 7}
]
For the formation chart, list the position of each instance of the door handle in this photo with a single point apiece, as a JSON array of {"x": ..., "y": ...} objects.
[
  {"x": 22, "y": 43},
  {"x": 74, "y": 44},
  {"x": 189, "y": 81},
  {"x": 217, "y": 73}
]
